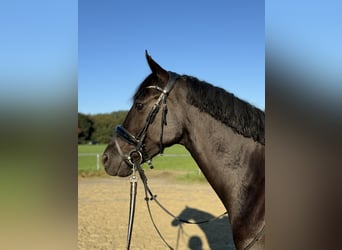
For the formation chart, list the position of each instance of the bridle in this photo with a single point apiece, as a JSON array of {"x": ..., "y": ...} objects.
[{"x": 139, "y": 154}]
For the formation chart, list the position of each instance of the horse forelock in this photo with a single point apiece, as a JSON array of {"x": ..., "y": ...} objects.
[
  {"x": 142, "y": 89},
  {"x": 241, "y": 116}
]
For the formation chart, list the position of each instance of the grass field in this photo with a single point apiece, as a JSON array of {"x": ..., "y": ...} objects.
[{"x": 175, "y": 159}]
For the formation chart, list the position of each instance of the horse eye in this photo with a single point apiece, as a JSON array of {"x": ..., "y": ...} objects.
[{"x": 139, "y": 106}]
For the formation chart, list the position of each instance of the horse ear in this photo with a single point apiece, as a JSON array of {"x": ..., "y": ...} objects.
[{"x": 156, "y": 69}]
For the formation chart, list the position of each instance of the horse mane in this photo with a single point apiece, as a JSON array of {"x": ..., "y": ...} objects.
[{"x": 223, "y": 106}]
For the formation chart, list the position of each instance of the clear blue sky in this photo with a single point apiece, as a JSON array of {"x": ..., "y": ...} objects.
[{"x": 221, "y": 42}]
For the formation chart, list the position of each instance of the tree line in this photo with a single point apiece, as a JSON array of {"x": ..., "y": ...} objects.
[{"x": 98, "y": 128}]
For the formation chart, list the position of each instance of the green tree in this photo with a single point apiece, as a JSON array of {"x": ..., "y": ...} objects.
[
  {"x": 98, "y": 127},
  {"x": 104, "y": 125},
  {"x": 85, "y": 128}
]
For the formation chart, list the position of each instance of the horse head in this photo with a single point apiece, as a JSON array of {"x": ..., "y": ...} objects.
[{"x": 152, "y": 123}]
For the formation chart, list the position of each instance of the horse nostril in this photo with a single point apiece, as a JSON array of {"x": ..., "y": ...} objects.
[{"x": 105, "y": 159}]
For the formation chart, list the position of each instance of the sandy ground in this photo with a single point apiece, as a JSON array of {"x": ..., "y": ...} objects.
[{"x": 103, "y": 205}]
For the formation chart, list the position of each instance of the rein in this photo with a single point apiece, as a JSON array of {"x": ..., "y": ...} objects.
[
  {"x": 133, "y": 194},
  {"x": 149, "y": 196}
]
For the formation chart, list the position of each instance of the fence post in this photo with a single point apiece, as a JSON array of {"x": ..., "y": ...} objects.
[{"x": 97, "y": 162}]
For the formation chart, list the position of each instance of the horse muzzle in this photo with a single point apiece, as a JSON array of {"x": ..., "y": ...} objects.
[{"x": 115, "y": 166}]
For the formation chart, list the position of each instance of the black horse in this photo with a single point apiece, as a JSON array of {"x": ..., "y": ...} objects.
[{"x": 224, "y": 134}]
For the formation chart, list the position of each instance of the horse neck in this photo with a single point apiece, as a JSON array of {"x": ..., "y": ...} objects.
[{"x": 226, "y": 159}]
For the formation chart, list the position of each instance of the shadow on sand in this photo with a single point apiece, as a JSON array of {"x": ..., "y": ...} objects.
[{"x": 218, "y": 232}]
